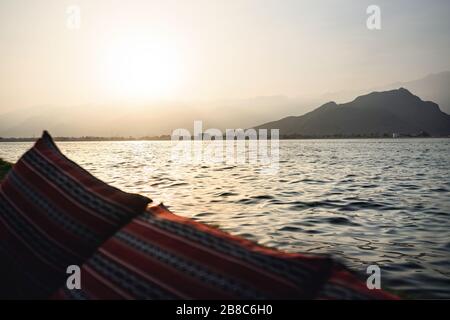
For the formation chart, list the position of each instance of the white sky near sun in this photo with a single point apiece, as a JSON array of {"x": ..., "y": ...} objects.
[{"x": 210, "y": 49}]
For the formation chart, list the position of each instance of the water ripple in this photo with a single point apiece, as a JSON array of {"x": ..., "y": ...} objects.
[{"x": 384, "y": 202}]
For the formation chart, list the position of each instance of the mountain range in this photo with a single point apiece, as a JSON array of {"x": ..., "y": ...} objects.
[
  {"x": 160, "y": 118},
  {"x": 433, "y": 87},
  {"x": 375, "y": 114}
]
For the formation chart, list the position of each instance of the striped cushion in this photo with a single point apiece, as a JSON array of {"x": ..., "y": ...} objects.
[
  {"x": 163, "y": 256},
  {"x": 54, "y": 214}
]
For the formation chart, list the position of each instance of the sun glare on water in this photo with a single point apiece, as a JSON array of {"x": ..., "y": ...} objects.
[{"x": 141, "y": 68}]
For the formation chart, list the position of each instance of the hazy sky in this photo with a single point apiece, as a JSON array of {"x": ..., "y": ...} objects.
[{"x": 188, "y": 50}]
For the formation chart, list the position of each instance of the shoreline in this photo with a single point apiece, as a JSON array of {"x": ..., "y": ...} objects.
[{"x": 118, "y": 139}]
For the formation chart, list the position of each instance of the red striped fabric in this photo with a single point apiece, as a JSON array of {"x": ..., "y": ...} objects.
[
  {"x": 160, "y": 255},
  {"x": 54, "y": 214}
]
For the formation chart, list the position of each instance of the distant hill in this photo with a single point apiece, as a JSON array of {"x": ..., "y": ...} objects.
[
  {"x": 162, "y": 117},
  {"x": 152, "y": 119},
  {"x": 374, "y": 114},
  {"x": 434, "y": 87}
]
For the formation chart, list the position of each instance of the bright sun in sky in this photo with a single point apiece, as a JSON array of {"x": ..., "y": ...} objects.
[{"x": 141, "y": 68}]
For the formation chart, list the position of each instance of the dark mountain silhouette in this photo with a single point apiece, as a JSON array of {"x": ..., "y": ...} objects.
[
  {"x": 118, "y": 119},
  {"x": 374, "y": 114},
  {"x": 434, "y": 87}
]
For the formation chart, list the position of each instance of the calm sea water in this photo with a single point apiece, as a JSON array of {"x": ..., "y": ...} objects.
[{"x": 384, "y": 202}]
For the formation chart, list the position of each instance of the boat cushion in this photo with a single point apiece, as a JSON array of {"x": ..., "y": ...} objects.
[
  {"x": 160, "y": 255},
  {"x": 54, "y": 214}
]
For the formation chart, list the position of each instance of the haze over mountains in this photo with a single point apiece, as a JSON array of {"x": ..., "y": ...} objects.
[
  {"x": 158, "y": 118},
  {"x": 433, "y": 87},
  {"x": 375, "y": 114},
  {"x": 162, "y": 117}
]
